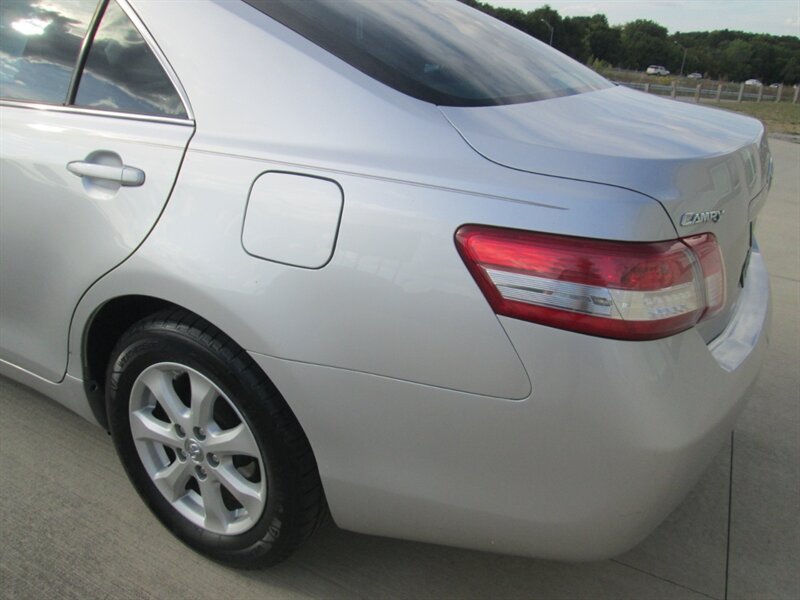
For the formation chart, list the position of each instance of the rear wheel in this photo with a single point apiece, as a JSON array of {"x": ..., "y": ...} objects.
[{"x": 209, "y": 443}]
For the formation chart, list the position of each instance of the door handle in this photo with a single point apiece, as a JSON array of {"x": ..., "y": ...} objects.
[{"x": 124, "y": 175}]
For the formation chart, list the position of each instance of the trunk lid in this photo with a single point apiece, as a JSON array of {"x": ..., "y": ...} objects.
[{"x": 709, "y": 169}]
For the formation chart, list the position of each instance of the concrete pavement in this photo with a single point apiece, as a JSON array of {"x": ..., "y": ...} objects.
[{"x": 71, "y": 526}]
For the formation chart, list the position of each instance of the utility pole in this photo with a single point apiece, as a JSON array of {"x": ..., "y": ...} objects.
[
  {"x": 683, "y": 62},
  {"x": 550, "y": 27}
]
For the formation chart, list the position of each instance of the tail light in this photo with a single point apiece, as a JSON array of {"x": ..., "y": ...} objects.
[{"x": 621, "y": 290}]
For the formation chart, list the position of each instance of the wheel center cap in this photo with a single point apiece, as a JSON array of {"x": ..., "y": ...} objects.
[{"x": 194, "y": 450}]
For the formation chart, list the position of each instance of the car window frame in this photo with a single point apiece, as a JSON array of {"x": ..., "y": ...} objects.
[{"x": 68, "y": 104}]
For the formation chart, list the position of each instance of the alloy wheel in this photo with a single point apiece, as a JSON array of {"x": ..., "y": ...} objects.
[{"x": 197, "y": 448}]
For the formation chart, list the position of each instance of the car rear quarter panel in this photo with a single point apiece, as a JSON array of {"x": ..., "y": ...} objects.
[{"x": 395, "y": 299}]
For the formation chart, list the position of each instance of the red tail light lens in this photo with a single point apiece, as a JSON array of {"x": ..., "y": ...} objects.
[{"x": 621, "y": 290}]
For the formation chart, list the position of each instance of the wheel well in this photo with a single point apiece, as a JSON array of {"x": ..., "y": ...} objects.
[{"x": 107, "y": 326}]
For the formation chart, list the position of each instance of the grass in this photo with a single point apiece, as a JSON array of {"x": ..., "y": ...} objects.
[{"x": 780, "y": 117}]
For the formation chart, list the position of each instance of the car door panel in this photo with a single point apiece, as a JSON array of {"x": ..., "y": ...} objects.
[{"x": 60, "y": 231}]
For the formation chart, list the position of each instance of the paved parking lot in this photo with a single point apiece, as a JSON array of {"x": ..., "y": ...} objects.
[{"x": 72, "y": 527}]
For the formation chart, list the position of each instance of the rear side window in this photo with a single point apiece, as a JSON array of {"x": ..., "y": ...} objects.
[
  {"x": 39, "y": 45},
  {"x": 442, "y": 52},
  {"x": 122, "y": 73}
]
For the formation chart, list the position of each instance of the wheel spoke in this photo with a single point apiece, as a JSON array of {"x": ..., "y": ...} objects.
[
  {"x": 144, "y": 426},
  {"x": 172, "y": 479},
  {"x": 217, "y": 516},
  {"x": 235, "y": 441},
  {"x": 203, "y": 396},
  {"x": 248, "y": 494},
  {"x": 160, "y": 384}
]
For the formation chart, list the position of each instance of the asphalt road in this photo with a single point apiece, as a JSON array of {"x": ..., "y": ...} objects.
[{"x": 71, "y": 526}]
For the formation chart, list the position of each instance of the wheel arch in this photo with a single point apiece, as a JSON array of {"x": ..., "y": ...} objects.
[
  {"x": 103, "y": 330},
  {"x": 101, "y": 333},
  {"x": 104, "y": 327}
]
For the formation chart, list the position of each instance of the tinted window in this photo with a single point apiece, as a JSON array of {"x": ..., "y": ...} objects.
[
  {"x": 123, "y": 74},
  {"x": 39, "y": 45},
  {"x": 442, "y": 52}
]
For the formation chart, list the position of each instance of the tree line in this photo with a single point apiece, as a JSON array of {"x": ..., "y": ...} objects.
[{"x": 726, "y": 55}]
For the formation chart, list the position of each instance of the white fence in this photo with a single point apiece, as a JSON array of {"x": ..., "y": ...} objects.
[{"x": 720, "y": 91}]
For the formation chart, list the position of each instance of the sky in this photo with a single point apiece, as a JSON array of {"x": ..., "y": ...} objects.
[{"x": 778, "y": 17}]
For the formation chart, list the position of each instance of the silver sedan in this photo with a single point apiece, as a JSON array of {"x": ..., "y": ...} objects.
[{"x": 395, "y": 261}]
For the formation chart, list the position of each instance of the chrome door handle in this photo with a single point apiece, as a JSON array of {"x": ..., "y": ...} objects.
[{"x": 124, "y": 175}]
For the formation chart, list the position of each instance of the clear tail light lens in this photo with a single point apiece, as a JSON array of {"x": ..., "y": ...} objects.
[
  {"x": 621, "y": 290},
  {"x": 706, "y": 249}
]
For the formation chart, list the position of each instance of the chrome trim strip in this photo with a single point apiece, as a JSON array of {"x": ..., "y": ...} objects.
[
  {"x": 94, "y": 112},
  {"x": 162, "y": 59}
]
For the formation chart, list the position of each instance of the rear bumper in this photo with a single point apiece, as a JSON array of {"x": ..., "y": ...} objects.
[{"x": 612, "y": 437}]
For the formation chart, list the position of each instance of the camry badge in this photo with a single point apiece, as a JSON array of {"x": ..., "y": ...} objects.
[{"x": 692, "y": 218}]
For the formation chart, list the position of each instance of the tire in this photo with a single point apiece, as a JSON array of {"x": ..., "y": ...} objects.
[{"x": 209, "y": 443}]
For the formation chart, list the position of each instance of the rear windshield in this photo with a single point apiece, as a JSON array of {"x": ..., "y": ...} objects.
[{"x": 442, "y": 52}]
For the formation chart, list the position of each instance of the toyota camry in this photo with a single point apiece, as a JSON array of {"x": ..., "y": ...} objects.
[{"x": 395, "y": 262}]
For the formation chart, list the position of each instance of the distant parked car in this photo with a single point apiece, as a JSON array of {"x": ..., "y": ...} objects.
[
  {"x": 774, "y": 85},
  {"x": 695, "y": 75},
  {"x": 657, "y": 70},
  {"x": 754, "y": 82}
]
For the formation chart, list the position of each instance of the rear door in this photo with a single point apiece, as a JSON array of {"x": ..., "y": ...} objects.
[{"x": 94, "y": 128}]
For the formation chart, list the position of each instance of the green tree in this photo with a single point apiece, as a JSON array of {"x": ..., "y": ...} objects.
[
  {"x": 791, "y": 71},
  {"x": 719, "y": 54},
  {"x": 644, "y": 43},
  {"x": 735, "y": 60},
  {"x": 604, "y": 42}
]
